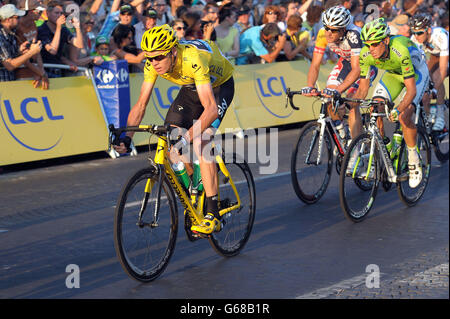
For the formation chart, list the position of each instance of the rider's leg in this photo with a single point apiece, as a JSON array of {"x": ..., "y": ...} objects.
[
  {"x": 205, "y": 153},
  {"x": 409, "y": 128},
  {"x": 354, "y": 121},
  {"x": 410, "y": 137},
  {"x": 439, "y": 122},
  {"x": 208, "y": 169}
]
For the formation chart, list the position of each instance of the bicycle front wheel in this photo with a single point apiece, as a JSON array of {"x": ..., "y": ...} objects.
[
  {"x": 309, "y": 177},
  {"x": 145, "y": 241},
  {"x": 358, "y": 168},
  {"x": 410, "y": 196},
  {"x": 238, "y": 223}
]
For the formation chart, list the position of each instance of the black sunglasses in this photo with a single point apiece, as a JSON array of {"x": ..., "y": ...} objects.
[
  {"x": 332, "y": 30},
  {"x": 180, "y": 28},
  {"x": 418, "y": 32},
  {"x": 157, "y": 58}
]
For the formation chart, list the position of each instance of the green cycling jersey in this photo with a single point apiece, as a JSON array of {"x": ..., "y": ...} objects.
[{"x": 403, "y": 56}]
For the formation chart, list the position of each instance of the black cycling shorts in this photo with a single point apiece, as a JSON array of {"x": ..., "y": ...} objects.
[{"x": 187, "y": 106}]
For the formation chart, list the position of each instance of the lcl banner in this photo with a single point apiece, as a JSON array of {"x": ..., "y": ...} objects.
[{"x": 40, "y": 124}]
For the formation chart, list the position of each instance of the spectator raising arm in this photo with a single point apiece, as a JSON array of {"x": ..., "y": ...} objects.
[
  {"x": 304, "y": 7},
  {"x": 77, "y": 41},
  {"x": 13, "y": 63}
]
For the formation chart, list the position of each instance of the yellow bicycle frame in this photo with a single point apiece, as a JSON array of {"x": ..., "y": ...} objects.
[{"x": 161, "y": 158}]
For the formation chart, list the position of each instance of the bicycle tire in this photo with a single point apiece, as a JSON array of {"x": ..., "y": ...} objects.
[
  {"x": 356, "y": 202},
  {"x": 439, "y": 143},
  {"x": 403, "y": 188},
  {"x": 305, "y": 179},
  {"x": 146, "y": 256},
  {"x": 237, "y": 224}
]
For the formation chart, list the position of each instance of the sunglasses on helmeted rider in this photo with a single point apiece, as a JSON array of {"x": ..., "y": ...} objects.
[
  {"x": 156, "y": 58},
  {"x": 372, "y": 44},
  {"x": 329, "y": 29},
  {"x": 418, "y": 32}
]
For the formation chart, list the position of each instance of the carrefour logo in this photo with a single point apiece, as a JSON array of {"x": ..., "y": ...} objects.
[
  {"x": 269, "y": 90},
  {"x": 105, "y": 76},
  {"x": 32, "y": 123},
  {"x": 162, "y": 99},
  {"x": 107, "y": 79}
]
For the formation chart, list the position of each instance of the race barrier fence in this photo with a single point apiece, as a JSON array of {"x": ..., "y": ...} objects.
[{"x": 71, "y": 117}]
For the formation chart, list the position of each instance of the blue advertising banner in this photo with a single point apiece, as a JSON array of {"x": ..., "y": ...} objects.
[{"x": 113, "y": 85}]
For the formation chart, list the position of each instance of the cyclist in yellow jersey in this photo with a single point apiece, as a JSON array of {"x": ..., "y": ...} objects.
[{"x": 207, "y": 91}]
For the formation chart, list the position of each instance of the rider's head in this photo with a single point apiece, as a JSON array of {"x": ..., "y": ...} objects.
[
  {"x": 375, "y": 35},
  {"x": 335, "y": 21},
  {"x": 420, "y": 25},
  {"x": 159, "y": 45}
]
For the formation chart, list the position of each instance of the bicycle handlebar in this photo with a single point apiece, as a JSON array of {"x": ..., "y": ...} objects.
[
  {"x": 339, "y": 100},
  {"x": 114, "y": 133}
]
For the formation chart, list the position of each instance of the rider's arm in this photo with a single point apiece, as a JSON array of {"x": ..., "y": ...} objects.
[
  {"x": 410, "y": 84},
  {"x": 314, "y": 68},
  {"x": 209, "y": 114},
  {"x": 138, "y": 111},
  {"x": 363, "y": 89},
  {"x": 352, "y": 76}
]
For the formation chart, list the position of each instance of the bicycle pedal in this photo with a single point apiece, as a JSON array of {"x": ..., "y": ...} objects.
[
  {"x": 200, "y": 235},
  {"x": 403, "y": 177}
]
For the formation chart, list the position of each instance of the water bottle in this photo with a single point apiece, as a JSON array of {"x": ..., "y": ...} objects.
[
  {"x": 396, "y": 142},
  {"x": 181, "y": 173},
  {"x": 388, "y": 144},
  {"x": 196, "y": 177},
  {"x": 340, "y": 128}
]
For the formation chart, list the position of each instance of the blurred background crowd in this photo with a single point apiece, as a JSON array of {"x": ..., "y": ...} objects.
[{"x": 88, "y": 32}]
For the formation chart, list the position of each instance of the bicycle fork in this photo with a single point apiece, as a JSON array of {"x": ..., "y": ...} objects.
[
  {"x": 147, "y": 192},
  {"x": 377, "y": 140}
]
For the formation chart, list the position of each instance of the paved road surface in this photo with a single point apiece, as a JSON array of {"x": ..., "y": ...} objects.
[{"x": 56, "y": 216}]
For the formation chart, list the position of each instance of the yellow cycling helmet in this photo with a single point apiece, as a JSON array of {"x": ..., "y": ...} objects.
[{"x": 160, "y": 38}]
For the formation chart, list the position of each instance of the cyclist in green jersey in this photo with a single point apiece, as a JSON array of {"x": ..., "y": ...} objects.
[{"x": 405, "y": 67}]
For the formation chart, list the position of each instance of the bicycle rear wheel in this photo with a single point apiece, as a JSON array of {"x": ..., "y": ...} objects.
[
  {"x": 236, "y": 224},
  {"x": 310, "y": 181},
  {"x": 355, "y": 201},
  {"x": 410, "y": 196},
  {"x": 145, "y": 248}
]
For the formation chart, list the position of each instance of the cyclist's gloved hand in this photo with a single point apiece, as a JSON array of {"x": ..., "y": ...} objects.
[
  {"x": 126, "y": 140},
  {"x": 394, "y": 115},
  {"x": 331, "y": 93},
  {"x": 308, "y": 91}
]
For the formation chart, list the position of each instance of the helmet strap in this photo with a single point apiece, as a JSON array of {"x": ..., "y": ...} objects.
[
  {"x": 173, "y": 58},
  {"x": 386, "y": 50}
]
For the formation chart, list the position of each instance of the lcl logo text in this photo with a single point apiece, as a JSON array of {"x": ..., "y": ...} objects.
[
  {"x": 269, "y": 85},
  {"x": 168, "y": 97},
  {"x": 25, "y": 116}
]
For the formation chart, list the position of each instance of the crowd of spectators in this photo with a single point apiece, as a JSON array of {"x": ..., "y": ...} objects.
[{"x": 88, "y": 32}]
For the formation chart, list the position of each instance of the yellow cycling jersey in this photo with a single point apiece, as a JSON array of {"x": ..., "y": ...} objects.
[{"x": 198, "y": 62}]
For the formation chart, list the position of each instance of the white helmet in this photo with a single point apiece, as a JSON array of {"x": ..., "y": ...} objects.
[{"x": 338, "y": 17}]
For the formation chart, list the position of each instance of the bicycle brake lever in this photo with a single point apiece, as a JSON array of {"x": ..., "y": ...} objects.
[{"x": 288, "y": 92}]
